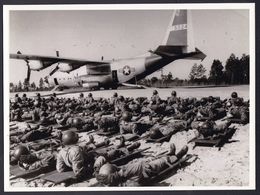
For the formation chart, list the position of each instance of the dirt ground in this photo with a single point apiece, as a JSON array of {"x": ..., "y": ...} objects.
[{"x": 228, "y": 166}]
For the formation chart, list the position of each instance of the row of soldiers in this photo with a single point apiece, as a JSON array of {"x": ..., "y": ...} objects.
[{"x": 115, "y": 115}]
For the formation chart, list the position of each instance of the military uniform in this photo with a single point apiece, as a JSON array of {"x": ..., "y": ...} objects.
[
  {"x": 108, "y": 124},
  {"x": 210, "y": 128},
  {"x": 72, "y": 157},
  {"x": 240, "y": 113},
  {"x": 128, "y": 127},
  {"x": 36, "y": 161},
  {"x": 171, "y": 127},
  {"x": 140, "y": 172},
  {"x": 32, "y": 135}
]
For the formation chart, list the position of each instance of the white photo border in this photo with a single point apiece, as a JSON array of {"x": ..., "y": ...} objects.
[{"x": 190, "y": 6}]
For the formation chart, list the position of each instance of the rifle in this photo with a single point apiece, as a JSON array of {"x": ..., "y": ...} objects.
[{"x": 194, "y": 138}]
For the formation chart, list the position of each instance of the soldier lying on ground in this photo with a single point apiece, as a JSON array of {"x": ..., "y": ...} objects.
[
  {"x": 31, "y": 161},
  {"x": 108, "y": 124},
  {"x": 238, "y": 111},
  {"x": 32, "y": 135},
  {"x": 72, "y": 157},
  {"x": 129, "y": 125},
  {"x": 158, "y": 131},
  {"x": 137, "y": 173},
  {"x": 210, "y": 128}
]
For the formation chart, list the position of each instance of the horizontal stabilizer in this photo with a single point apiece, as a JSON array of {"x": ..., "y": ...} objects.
[
  {"x": 197, "y": 55},
  {"x": 176, "y": 52}
]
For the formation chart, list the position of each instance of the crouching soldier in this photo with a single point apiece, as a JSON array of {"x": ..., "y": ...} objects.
[
  {"x": 71, "y": 157},
  {"x": 32, "y": 161},
  {"x": 139, "y": 172}
]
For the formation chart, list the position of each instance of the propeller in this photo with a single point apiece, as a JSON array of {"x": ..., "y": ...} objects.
[
  {"x": 54, "y": 70},
  {"x": 57, "y": 67},
  {"x": 28, "y": 71},
  {"x": 28, "y": 68}
]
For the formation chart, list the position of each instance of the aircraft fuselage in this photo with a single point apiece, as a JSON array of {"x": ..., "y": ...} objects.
[{"x": 117, "y": 72}]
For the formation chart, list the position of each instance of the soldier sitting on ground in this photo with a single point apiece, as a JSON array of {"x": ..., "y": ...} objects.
[{"x": 138, "y": 173}]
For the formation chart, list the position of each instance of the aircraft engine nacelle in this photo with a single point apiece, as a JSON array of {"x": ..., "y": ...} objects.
[
  {"x": 35, "y": 65},
  {"x": 65, "y": 67},
  {"x": 91, "y": 85}
]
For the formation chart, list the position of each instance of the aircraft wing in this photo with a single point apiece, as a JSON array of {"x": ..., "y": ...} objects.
[{"x": 47, "y": 61}]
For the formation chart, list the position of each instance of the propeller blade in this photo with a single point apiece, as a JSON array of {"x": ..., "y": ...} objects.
[
  {"x": 54, "y": 70},
  {"x": 28, "y": 73},
  {"x": 57, "y": 54}
]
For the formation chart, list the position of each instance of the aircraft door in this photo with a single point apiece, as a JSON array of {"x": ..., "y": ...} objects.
[{"x": 114, "y": 76}]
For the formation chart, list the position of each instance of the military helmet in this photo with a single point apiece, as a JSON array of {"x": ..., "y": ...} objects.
[
  {"x": 107, "y": 169},
  {"x": 155, "y": 92},
  {"x": 19, "y": 151},
  {"x": 17, "y": 95},
  {"x": 115, "y": 94},
  {"x": 24, "y": 95},
  {"x": 174, "y": 93},
  {"x": 234, "y": 94},
  {"x": 90, "y": 95},
  {"x": 81, "y": 95},
  {"x": 76, "y": 122},
  {"x": 203, "y": 101},
  {"x": 206, "y": 125},
  {"x": 70, "y": 137},
  {"x": 58, "y": 116},
  {"x": 127, "y": 116},
  {"x": 37, "y": 103},
  {"x": 44, "y": 121},
  {"x": 156, "y": 133},
  {"x": 106, "y": 174},
  {"x": 210, "y": 99},
  {"x": 121, "y": 98}
]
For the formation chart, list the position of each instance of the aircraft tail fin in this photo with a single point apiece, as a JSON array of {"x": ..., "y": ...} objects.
[
  {"x": 178, "y": 42},
  {"x": 180, "y": 32}
]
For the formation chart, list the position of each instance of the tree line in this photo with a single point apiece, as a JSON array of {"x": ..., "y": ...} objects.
[
  {"x": 234, "y": 72},
  {"x": 27, "y": 86}
]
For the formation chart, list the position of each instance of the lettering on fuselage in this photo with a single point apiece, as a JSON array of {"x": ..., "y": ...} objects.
[{"x": 179, "y": 27}]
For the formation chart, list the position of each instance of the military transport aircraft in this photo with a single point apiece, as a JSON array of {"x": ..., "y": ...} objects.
[{"x": 177, "y": 44}]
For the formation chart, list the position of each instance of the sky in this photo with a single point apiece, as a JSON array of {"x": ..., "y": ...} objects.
[{"x": 117, "y": 34}]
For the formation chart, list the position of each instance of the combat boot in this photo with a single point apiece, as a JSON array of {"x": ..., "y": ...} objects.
[{"x": 172, "y": 150}]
